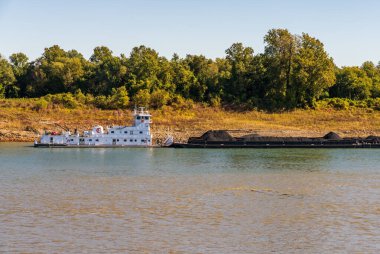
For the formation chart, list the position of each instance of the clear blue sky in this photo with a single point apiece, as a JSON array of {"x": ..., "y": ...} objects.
[{"x": 350, "y": 29}]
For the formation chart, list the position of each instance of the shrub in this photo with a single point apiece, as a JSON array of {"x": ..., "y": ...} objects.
[
  {"x": 80, "y": 97},
  {"x": 101, "y": 102},
  {"x": 40, "y": 104},
  {"x": 178, "y": 102},
  {"x": 89, "y": 99},
  {"x": 362, "y": 104},
  {"x": 338, "y": 103},
  {"x": 142, "y": 98},
  {"x": 159, "y": 98},
  {"x": 119, "y": 98},
  {"x": 67, "y": 100},
  {"x": 215, "y": 101},
  {"x": 376, "y": 104}
]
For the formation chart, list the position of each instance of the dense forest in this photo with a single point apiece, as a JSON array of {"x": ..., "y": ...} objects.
[{"x": 294, "y": 71}]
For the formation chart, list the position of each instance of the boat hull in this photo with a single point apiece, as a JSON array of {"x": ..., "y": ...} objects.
[{"x": 39, "y": 145}]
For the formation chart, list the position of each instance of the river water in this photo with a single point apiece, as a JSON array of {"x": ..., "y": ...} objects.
[{"x": 189, "y": 201}]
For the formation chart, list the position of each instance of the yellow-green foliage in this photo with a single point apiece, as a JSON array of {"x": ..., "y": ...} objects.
[
  {"x": 345, "y": 104},
  {"x": 159, "y": 98},
  {"x": 67, "y": 100},
  {"x": 142, "y": 98},
  {"x": 41, "y": 104}
]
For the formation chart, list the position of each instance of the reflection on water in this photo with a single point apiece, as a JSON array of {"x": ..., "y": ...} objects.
[{"x": 189, "y": 201}]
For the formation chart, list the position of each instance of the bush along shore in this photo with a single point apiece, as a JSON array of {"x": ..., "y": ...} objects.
[{"x": 25, "y": 119}]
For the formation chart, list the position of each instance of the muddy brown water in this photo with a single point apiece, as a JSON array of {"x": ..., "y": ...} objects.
[{"x": 188, "y": 201}]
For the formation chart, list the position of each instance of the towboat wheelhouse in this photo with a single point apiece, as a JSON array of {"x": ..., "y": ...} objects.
[{"x": 137, "y": 135}]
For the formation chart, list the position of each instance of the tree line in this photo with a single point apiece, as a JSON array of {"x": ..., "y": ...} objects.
[{"x": 294, "y": 71}]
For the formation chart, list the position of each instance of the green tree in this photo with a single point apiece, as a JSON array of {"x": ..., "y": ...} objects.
[
  {"x": 165, "y": 76},
  {"x": 7, "y": 77},
  {"x": 19, "y": 63},
  {"x": 105, "y": 72},
  {"x": 20, "y": 67},
  {"x": 373, "y": 73},
  {"x": 297, "y": 69},
  {"x": 144, "y": 67},
  {"x": 279, "y": 56},
  {"x": 142, "y": 98},
  {"x": 352, "y": 83},
  {"x": 57, "y": 71},
  {"x": 183, "y": 77},
  {"x": 314, "y": 72},
  {"x": 206, "y": 77},
  {"x": 240, "y": 59},
  {"x": 119, "y": 98}
]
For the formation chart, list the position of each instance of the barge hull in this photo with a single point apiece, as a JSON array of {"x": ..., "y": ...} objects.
[
  {"x": 268, "y": 146},
  {"x": 222, "y": 139}
]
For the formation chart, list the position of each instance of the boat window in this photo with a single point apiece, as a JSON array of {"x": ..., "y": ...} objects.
[
  {"x": 112, "y": 132},
  {"x": 117, "y": 140},
  {"x": 147, "y": 118},
  {"x": 125, "y": 131},
  {"x": 143, "y": 140},
  {"x": 131, "y": 140},
  {"x": 140, "y": 132},
  {"x": 90, "y": 140},
  {"x": 71, "y": 139},
  {"x": 97, "y": 140},
  {"x": 125, "y": 140},
  {"x": 135, "y": 140},
  {"x": 138, "y": 117}
]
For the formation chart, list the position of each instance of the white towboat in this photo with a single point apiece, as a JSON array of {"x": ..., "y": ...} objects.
[{"x": 137, "y": 135}]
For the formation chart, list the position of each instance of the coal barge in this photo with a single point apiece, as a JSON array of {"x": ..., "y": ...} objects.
[{"x": 223, "y": 139}]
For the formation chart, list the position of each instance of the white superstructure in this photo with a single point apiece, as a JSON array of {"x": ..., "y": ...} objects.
[{"x": 137, "y": 135}]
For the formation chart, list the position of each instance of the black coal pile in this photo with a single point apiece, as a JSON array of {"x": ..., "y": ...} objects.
[
  {"x": 332, "y": 135},
  {"x": 217, "y": 136}
]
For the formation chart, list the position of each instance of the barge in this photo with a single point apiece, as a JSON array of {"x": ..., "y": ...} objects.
[{"x": 223, "y": 139}]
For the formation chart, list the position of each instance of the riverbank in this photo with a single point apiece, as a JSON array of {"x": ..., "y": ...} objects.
[{"x": 20, "y": 121}]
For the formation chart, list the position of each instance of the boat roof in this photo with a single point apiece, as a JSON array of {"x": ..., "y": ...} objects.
[{"x": 141, "y": 112}]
